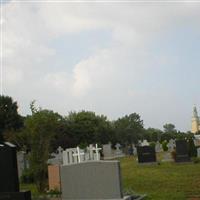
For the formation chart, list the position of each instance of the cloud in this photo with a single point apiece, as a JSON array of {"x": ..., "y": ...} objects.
[{"x": 115, "y": 79}]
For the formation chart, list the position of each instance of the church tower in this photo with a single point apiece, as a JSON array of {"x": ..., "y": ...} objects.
[{"x": 195, "y": 121}]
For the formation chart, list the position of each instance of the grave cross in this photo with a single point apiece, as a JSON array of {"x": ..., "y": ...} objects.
[
  {"x": 78, "y": 154},
  {"x": 60, "y": 150},
  {"x": 96, "y": 149}
]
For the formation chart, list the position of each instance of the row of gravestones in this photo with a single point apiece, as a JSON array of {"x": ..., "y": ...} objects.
[
  {"x": 91, "y": 179},
  {"x": 147, "y": 154}
]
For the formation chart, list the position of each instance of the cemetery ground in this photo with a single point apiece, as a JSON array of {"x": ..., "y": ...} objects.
[{"x": 165, "y": 181}]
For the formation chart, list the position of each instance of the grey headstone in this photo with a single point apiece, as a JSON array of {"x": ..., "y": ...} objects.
[
  {"x": 198, "y": 152},
  {"x": 91, "y": 180},
  {"x": 107, "y": 151}
]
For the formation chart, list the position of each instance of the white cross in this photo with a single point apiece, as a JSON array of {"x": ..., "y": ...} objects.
[
  {"x": 78, "y": 154},
  {"x": 96, "y": 149}
]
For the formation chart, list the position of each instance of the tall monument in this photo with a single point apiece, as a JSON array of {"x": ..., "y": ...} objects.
[{"x": 195, "y": 121}]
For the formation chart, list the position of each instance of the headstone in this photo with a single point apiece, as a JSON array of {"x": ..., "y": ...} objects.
[
  {"x": 197, "y": 140},
  {"x": 107, "y": 151},
  {"x": 77, "y": 155},
  {"x": 145, "y": 143},
  {"x": 146, "y": 154},
  {"x": 54, "y": 177},
  {"x": 91, "y": 180},
  {"x": 158, "y": 147},
  {"x": 9, "y": 182},
  {"x": 134, "y": 149},
  {"x": 198, "y": 152},
  {"x": 57, "y": 157},
  {"x": 171, "y": 145},
  {"x": 182, "y": 151},
  {"x": 22, "y": 162},
  {"x": 167, "y": 157}
]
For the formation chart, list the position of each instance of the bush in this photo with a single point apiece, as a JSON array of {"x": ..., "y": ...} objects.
[
  {"x": 192, "y": 150},
  {"x": 54, "y": 192},
  {"x": 27, "y": 176},
  {"x": 164, "y": 145},
  {"x": 153, "y": 144},
  {"x": 196, "y": 160}
]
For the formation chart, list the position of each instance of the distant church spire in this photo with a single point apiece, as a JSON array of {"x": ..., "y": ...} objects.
[
  {"x": 195, "y": 121},
  {"x": 195, "y": 113}
]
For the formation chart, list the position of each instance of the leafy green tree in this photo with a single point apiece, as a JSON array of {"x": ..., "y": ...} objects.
[
  {"x": 152, "y": 134},
  {"x": 169, "y": 128},
  {"x": 129, "y": 128},
  {"x": 41, "y": 127},
  {"x": 10, "y": 120},
  {"x": 86, "y": 127}
]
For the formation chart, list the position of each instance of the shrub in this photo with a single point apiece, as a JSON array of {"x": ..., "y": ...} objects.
[
  {"x": 196, "y": 160},
  {"x": 164, "y": 145},
  {"x": 27, "y": 176},
  {"x": 152, "y": 144},
  {"x": 192, "y": 150}
]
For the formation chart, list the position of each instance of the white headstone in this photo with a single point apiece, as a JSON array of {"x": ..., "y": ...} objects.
[
  {"x": 78, "y": 154},
  {"x": 145, "y": 143}
]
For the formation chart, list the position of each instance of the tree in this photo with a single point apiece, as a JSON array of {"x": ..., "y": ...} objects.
[
  {"x": 169, "y": 128},
  {"x": 41, "y": 127},
  {"x": 129, "y": 129},
  {"x": 9, "y": 118},
  {"x": 152, "y": 134},
  {"x": 86, "y": 127}
]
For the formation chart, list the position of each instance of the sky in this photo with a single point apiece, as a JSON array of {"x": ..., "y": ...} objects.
[{"x": 113, "y": 58}]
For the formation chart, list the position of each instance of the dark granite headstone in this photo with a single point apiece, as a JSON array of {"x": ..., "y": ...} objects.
[
  {"x": 146, "y": 154},
  {"x": 9, "y": 183},
  {"x": 182, "y": 151},
  {"x": 8, "y": 169}
]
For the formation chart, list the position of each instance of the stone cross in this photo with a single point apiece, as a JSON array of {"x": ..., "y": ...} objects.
[
  {"x": 96, "y": 149},
  {"x": 60, "y": 150},
  {"x": 78, "y": 154}
]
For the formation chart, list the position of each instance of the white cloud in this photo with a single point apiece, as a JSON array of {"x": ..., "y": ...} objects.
[{"x": 111, "y": 76}]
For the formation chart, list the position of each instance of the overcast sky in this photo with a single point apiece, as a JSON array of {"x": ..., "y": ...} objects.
[{"x": 110, "y": 58}]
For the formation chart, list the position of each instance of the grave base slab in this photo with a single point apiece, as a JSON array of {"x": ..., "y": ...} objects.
[{"x": 26, "y": 195}]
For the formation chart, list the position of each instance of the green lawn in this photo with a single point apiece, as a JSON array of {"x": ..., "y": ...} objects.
[{"x": 167, "y": 181}]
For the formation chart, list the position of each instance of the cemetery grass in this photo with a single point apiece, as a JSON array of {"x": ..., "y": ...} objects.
[{"x": 166, "y": 181}]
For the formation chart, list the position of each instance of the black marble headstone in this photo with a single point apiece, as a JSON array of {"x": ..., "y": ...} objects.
[
  {"x": 8, "y": 168},
  {"x": 9, "y": 182},
  {"x": 182, "y": 151},
  {"x": 146, "y": 154}
]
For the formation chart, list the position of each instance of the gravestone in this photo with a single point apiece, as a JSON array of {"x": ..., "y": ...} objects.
[
  {"x": 167, "y": 157},
  {"x": 146, "y": 154},
  {"x": 92, "y": 180},
  {"x": 198, "y": 152},
  {"x": 182, "y": 151},
  {"x": 171, "y": 145},
  {"x": 158, "y": 147},
  {"x": 145, "y": 143},
  {"x": 22, "y": 162},
  {"x": 107, "y": 151},
  {"x": 197, "y": 140},
  {"x": 77, "y": 155},
  {"x": 54, "y": 177},
  {"x": 134, "y": 149},
  {"x": 9, "y": 182},
  {"x": 57, "y": 158}
]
